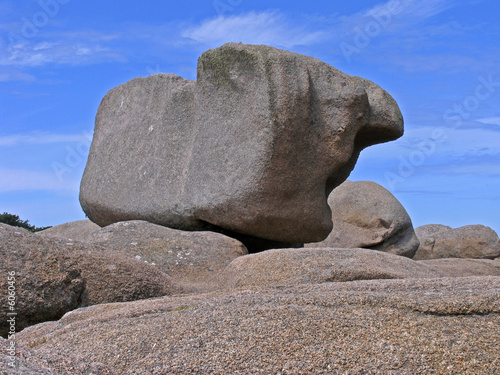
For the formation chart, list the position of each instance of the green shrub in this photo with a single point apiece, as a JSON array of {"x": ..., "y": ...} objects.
[{"x": 15, "y": 221}]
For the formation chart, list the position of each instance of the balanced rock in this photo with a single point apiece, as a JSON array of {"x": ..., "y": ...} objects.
[
  {"x": 194, "y": 259},
  {"x": 52, "y": 277},
  {"x": 313, "y": 266},
  {"x": 79, "y": 230},
  {"x": 367, "y": 215},
  {"x": 250, "y": 147},
  {"x": 409, "y": 326},
  {"x": 470, "y": 241}
]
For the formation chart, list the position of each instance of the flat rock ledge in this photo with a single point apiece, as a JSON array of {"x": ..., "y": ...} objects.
[{"x": 410, "y": 326}]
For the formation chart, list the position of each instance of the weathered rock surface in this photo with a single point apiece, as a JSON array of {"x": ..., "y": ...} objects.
[
  {"x": 429, "y": 230},
  {"x": 250, "y": 147},
  {"x": 194, "y": 259},
  {"x": 367, "y": 215},
  {"x": 305, "y": 266},
  {"x": 456, "y": 267},
  {"x": 25, "y": 363},
  {"x": 53, "y": 277},
  {"x": 79, "y": 230},
  {"x": 46, "y": 282},
  {"x": 470, "y": 241},
  {"x": 410, "y": 326}
]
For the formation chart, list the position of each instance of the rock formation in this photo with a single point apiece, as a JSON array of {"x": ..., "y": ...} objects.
[
  {"x": 79, "y": 230},
  {"x": 53, "y": 277},
  {"x": 315, "y": 266},
  {"x": 366, "y": 215},
  {"x": 254, "y": 146},
  {"x": 470, "y": 241},
  {"x": 458, "y": 267},
  {"x": 410, "y": 326},
  {"x": 193, "y": 259}
]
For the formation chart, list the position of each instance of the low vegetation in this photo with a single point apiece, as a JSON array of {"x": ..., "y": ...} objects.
[{"x": 15, "y": 221}]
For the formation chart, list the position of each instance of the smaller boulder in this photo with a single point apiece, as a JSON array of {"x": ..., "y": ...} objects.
[
  {"x": 456, "y": 267},
  {"x": 43, "y": 282},
  {"x": 366, "y": 215},
  {"x": 429, "y": 230},
  {"x": 470, "y": 241},
  {"x": 320, "y": 265},
  {"x": 194, "y": 259},
  {"x": 73, "y": 231},
  {"x": 50, "y": 277}
]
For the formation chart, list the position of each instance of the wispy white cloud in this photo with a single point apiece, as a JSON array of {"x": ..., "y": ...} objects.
[
  {"x": 268, "y": 27},
  {"x": 490, "y": 120},
  {"x": 49, "y": 46},
  {"x": 15, "y": 75},
  {"x": 43, "y": 138},
  {"x": 32, "y": 54},
  {"x": 423, "y": 8},
  {"x": 399, "y": 33},
  {"x": 394, "y": 15},
  {"x": 28, "y": 180}
]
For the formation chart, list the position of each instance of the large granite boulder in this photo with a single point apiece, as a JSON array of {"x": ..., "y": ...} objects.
[
  {"x": 470, "y": 241},
  {"x": 409, "y": 326},
  {"x": 251, "y": 147},
  {"x": 79, "y": 230},
  {"x": 367, "y": 215},
  {"x": 320, "y": 265},
  {"x": 193, "y": 259},
  {"x": 50, "y": 277}
]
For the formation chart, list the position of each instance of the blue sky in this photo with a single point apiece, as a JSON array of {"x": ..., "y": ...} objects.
[{"x": 440, "y": 59}]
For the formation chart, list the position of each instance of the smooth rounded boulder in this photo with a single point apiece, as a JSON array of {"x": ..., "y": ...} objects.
[
  {"x": 470, "y": 241},
  {"x": 79, "y": 230},
  {"x": 193, "y": 259},
  {"x": 250, "y": 147},
  {"x": 320, "y": 265},
  {"x": 366, "y": 215}
]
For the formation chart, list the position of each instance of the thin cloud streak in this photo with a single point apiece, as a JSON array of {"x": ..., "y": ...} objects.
[
  {"x": 490, "y": 121},
  {"x": 253, "y": 28}
]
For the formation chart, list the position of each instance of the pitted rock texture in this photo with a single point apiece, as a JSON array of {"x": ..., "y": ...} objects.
[
  {"x": 193, "y": 259},
  {"x": 458, "y": 267},
  {"x": 470, "y": 241},
  {"x": 409, "y": 326},
  {"x": 25, "y": 363},
  {"x": 320, "y": 265},
  {"x": 53, "y": 277},
  {"x": 79, "y": 230},
  {"x": 367, "y": 215},
  {"x": 254, "y": 146}
]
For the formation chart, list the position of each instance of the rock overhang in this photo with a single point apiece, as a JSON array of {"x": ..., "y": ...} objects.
[{"x": 253, "y": 146}]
